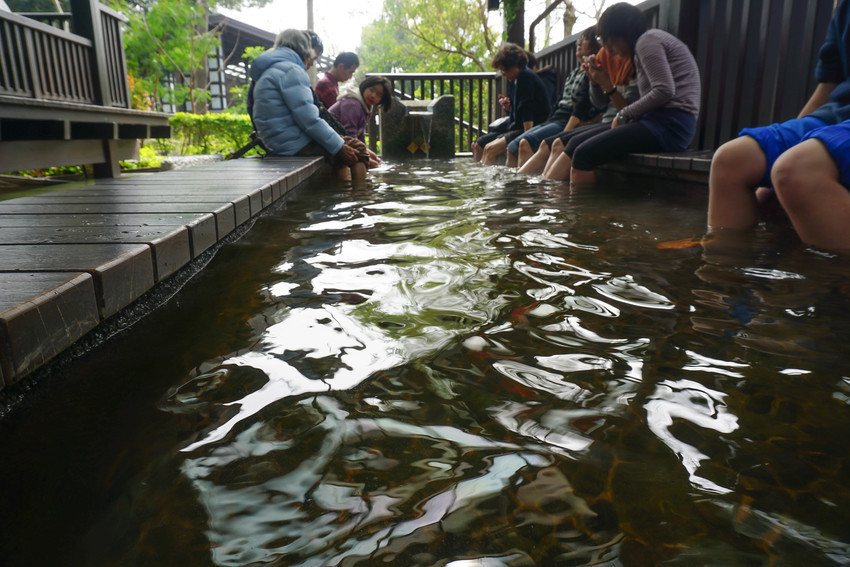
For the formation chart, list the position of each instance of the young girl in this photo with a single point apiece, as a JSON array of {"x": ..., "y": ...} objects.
[
  {"x": 664, "y": 118},
  {"x": 355, "y": 104}
]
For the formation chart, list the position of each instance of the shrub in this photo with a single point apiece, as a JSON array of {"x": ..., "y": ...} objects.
[
  {"x": 221, "y": 133},
  {"x": 148, "y": 157}
]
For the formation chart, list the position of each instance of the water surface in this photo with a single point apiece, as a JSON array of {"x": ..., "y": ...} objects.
[{"x": 455, "y": 365}]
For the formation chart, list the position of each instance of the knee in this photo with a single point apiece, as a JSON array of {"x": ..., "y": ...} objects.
[
  {"x": 739, "y": 158},
  {"x": 524, "y": 145},
  {"x": 795, "y": 177},
  {"x": 725, "y": 159}
]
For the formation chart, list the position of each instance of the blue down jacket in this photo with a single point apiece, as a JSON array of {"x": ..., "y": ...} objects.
[{"x": 284, "y": 114}]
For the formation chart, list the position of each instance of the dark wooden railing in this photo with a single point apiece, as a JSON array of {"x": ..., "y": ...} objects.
[
  {"x": 42, "y": 61},
  {"x": 475, "y": 98},
  {"x": 64, "y": 97}
]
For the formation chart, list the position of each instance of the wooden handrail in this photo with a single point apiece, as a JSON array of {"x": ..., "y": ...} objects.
[{"x": 47, "y": 62}]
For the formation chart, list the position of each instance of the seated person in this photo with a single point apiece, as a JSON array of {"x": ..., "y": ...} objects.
[
  {"x": 803, "y": 161},
  {"x": 344, "y": 66},
  {"x": 663, "y": 119},
  {"x": 527, "y": 103},
  {"x": 355, "y": 105},
  {"x": 548, "y": 75},
  {"x": 610, "y": 102},
  {"x": 284, "y": 113},
  {"x": 573, "y": 108}
]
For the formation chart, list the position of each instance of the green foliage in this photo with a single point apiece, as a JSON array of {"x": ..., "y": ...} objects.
[
  {"x": 239, "y": 100},
  {"x": 39, "y": 5},
  {"x": 196, "y": 134},
  {"x": 64, "y": 170},
  {"x": 170, "y": 39},
  {"x": 148, "y": 157},
  {"x": 429, "y": 36}
]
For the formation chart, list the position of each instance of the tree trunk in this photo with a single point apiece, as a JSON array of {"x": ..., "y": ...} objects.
[{"x": 516, "y": 28}]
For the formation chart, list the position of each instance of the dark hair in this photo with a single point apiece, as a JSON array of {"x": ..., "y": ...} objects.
[
  {"x": 532, "y": 60},
  {"x": 387, "y": 99},
  {"x": 590, "y": 35},
  {"x": 347, "y": 59},
  {"x": 315, "y": 42},
  {"x": 509, "y": 55},
  {"x": 621, "y": 21}
]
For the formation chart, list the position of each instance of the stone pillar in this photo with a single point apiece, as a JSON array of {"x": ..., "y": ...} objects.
[{"x": 404, "y": 135}]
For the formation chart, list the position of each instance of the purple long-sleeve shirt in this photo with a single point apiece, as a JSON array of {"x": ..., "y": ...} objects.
[
  {"x": 351, "y": 113},
  {"x": 667, "y": 75}
]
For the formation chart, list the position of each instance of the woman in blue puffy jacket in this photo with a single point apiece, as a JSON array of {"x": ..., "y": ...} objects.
[{"x": 284, "y": 113}]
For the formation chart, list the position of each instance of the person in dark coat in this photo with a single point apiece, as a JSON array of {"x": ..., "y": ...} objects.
[{"x": 527, "y": 102}]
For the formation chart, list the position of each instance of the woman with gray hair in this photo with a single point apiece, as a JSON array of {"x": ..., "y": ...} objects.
[{"x": 286, "y": 119}]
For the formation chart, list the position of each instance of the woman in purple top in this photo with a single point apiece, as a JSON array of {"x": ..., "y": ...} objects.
[
  {"x": 663, "y": 119},
  {"x": 354, "y": 106}
]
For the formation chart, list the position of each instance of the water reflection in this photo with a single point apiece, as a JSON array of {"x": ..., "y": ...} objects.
[
  {"x": 463, "y": 371},
  {"x": 454, "y": 365}
]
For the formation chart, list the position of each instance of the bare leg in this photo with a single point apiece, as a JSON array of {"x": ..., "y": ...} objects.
[
  {"x": 493, "y": 151},
  {"x": 736, "y": 170},
  {"x": 581, "y": 177},
  {"x": 561, "y": 167},
  {"x": 511, "y": 160},
  {"x": 557, "y": 149},
  {"x": 358, "y": 171},
  {"x": 806, "y": 182},
  {"x": 524, "y": 153},
  {"x": 477, "y": 151},
  {"x": 343, "y": 172},
  {"x": 536, "y": 163}
]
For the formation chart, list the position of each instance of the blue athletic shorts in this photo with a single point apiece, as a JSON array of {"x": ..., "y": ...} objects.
[
  {"x": 777, "y": 138},
  {"x": 836, "y": 138}
]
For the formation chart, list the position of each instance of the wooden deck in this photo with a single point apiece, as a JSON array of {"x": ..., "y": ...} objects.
[
  {"x": 72, "y": 258},
  {"x": 692, "y": 166}
]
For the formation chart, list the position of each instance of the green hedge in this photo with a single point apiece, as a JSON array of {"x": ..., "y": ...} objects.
[{"x": 194, "y": 134}]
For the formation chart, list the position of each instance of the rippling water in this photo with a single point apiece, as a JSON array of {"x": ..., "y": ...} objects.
[{"x": 456, "y": 366}]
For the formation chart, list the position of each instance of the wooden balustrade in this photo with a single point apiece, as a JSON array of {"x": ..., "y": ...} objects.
[
  {"x": 475, "y": 99},
  {"x": 41, "y": 60}
]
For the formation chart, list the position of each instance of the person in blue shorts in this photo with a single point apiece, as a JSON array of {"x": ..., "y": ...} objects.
[{"x": 804, "y": 162}]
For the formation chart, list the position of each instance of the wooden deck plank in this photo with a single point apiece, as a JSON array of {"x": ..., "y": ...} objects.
[
  {"x": 42, "y": 314},
  {"x": 171, "y": 245},
  {"x": 71, "y": 258},
  {"x": 122, "y": 272},
  {"x": 90, "y": 219}
]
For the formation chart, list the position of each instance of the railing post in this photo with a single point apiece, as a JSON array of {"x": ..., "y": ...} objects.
[{"x": 86, "y": 15}]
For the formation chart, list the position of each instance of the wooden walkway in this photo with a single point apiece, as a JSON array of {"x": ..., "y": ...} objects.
[
  {"x": 72, "y": 258},
  {"x": 692, "y": 166}
]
